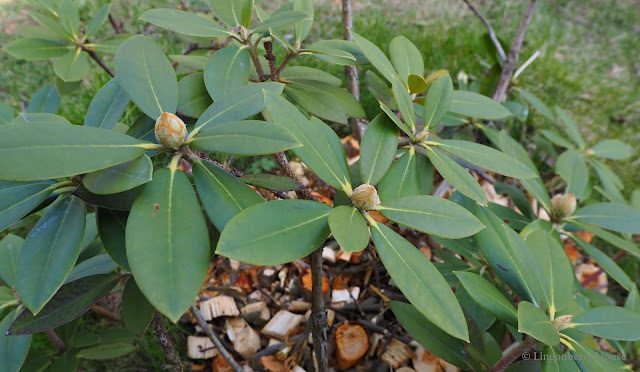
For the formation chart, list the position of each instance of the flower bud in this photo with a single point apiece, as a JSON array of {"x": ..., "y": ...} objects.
[
  {"x": 562, "y": 322},
  {"x": 365, "y": 197},
  {"x": 170, "y": 131},
  {"x": 563, "y": 205}
]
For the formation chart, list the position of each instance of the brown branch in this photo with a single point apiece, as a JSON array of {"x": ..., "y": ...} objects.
[
  {"x": 53, "y": 337},
  {"x": 116, "y": 25},
  {"x": 268, "y": 47},
  {"x": 96, "y": 58},
  {"x": 171, "y": 355},
  {"x": 500, "y": 92},
  {"x": 514, "y": 354},
  {"x": 492, "y": 33},
  {"x": 105, "y": 313},
  {"x": 351, "y": 72},
  {"x": 256, "y": 62},
  {"x": 216, "y": 341},
  {"x": 284, "y": 62}
]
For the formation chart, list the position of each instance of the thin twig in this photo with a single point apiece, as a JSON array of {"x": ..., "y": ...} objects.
[
  {"x": 358, "y": 126},
  {"x": 275, "y": 347},
  {"x": 268, "y": 47},
  {"x": 171, "y": 355},
  {"x": 492, "y": 33},
  {"x": 106, "y": 313},
  {"x": 514, "y": 354},
  {"x": 117, "y": 26},
  {"x": 256, "y": 62},
  {"x": 96, "y": 58},
  {"x": 284, "y": 164},
  {"x": 53, "y": 337},
  {"x": 216, "y": 341},
  {"x": 319, "y": 313}
]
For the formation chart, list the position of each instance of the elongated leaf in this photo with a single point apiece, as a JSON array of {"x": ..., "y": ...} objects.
[
  {"x": 13, "y": 350},
  {"x": 606, "y": 263},
  {"x": 322, "y": 150},
  {"x": 402, "y": 179},
  {"x": 592, "y": 360},
  {"x": 229, "y": 11},
  {"x": 71, "y": 301},
  {"x": 431, "y": 336},
  {"x": 573, "y": 169},
  {"x": 420, "y": 281},
  {"x": 533, "y": 321},
  {"x": 271, "y": 182},
  {"x": 437, "y": 101},
  {"x": 68, "y": 361},
  {"x": 111, "y": 227},
  {"x": 193, "y": 98},
  {"x": 40, "y": 151},
  {"x": 49, "y": 252},
  {"x": 168, "y": 242},
  {"x": 96, "y": 265},
  {"x": 540, "y": 106},
  {"x": 570, "y": 127},
  {"x": 457, "y": 176},
  {"x": 302, "y": 73},
  {"x": 377, "y": 149},
  {"x": 51, "y": 27},
  {"x": 405, "y": 57},
  {"x": 37, "y": 49},
  {"x": 281, "y": 19},
  {"x": 137, "y": 312},
  {"x": 404, "y": 102},
  {"x": 612, "y": 216},
  {"x": 121, "y": 177},
  {"x": 349, "y": 228},
  {"x": 612, "y": 322},
  {"x": 72, "y": 66},
  {"x": 19, "y": 198},
  {"x": 477, "y": 106},
  {"x": 612, "y": 238},
  {"x": 377, "y": 58},
  {"x": 45, "y": 100},
  {"x": 222, "y": 194},
  {"x": 145, "y": 73},
  {"x": 6, "y": 113},
  {"x": 432, "y": 215},
  {"x": 339, "y": 51},
  {"x": 399, "y": 123},
  {"x": 227, "y": 69},
  {"x": 612, "y": 149},
  {"x": 10, "y": 247},
  {"x": 317, "y": 102},
  {"x": 489, "y": 297},
  {"x": 379, "y": 89},
  {"x": 192, "y": 62},
  {"x": 40, "y": 118},
  {"x": 184, "y": 23},
  {"x": 98, "y": 19},
  {"x": 107, "y": 106},
  {"x": 108, "y": 351},
  {"x": 557, "y": 139},
  {"x": 68, "y": 16},
  {"x": 301, "y": 29},
  {"x": 254, "y": 236}
]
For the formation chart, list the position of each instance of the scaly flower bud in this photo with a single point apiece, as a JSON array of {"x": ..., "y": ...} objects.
[
  {"x": 562, "y": 322},
  {"x": 563, "y": 205},
  {"x": 170, "y": 131},
  {"x": 365, "y": 197}
]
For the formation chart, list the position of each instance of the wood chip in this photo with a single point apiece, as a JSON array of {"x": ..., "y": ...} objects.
[
  {"x": 405, "y": 369},
  {"x": 200, "y": 348},
  {"x": 397, "y": 353},
  {"x": 307, "y": 282},
  {"x": 219, "y": 306},
  {"x": 585, "y": 270},
  {"x": 246, "y": 341},
  {"x": 329, "y": 254},
  {"x": 448, "y": 367},
  {"x": 298, "y": 306},
  {"x": 256, "y": 313},
  {"x": 352, "y": 343},
  {"x": 346, "y": 296},
  {"x": 271, "y": 364},
  {"x": 343, "y": 256},
  {"x": 425, "y": 361},
  {"x": 219, "y": 364},
  {"x": 281, "y": 324}
]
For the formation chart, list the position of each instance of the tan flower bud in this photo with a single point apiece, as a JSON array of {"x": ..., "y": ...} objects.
[
  {"x": 170, "y": 131},
  {"x": 365, "y": 197},
  {"x": 562, "y": 322},
  {"x": 563, "y": 205}
]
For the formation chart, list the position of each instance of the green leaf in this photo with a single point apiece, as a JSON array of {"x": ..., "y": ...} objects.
[
  {"x": 477, "y": 106},
  {"x": 145, "y": 73},
  {"x": 537, "y": 104},
  {"x": 377, "y": 58},
  {"x": 557, "y": 139},
  {"x": 240, "y": 104},
  {"x": 612, "y": 322},
  {"x": 437, "y": 101},
  {"x": 10, "y": 247},
  {"x": 404, "y": 102},
  {"x": 488, "y": 297},
  {"x": 100, "y": 264},
  {"x": 401, "y": 179},
  {"x": 417, "y": 84},
  {"x": 254, "y": 236},
  {"x": 399, "y": 123},
  {"x": 168, "y": 242},
  {"x": 379, "y": 89},
  {"x": 6, "y": 113},
  {"x": 184, "y": 23},
  {"x": 420, "y": 281},
  {"x": 121, "y": 177},
  {"x": 193, "y": 98},
  {"x": 227, "y": 69},
  {"x": 302, "y": 73},
  {"x": 50, "y": 251},
  {"x": 573, "y": 169},
  {"x": 192, "y": 62},
  {"x": 72, "y": 300},
  {"x": 612, "y": 149},
  {"x": 612, "y": 238},
  {"x": 111, "y": 227},
  {"x": 228, "y": 11},
  {"x": 517, "y": 196},
  {"x": 301, "y": 29},
  {"x": 591, "y": 360},
  {"x": 109, "y": 351},
  {"x": 107, "y": 106},
  {"x": 222, "y": 194},
  {"x": 533, "y": 321},
  {"x": 344, "y": 99},
  {"x": 51, "y": 27},
  {"x": 98, "y": 19},
  {"x": 457, "y": 176},
  {"x": 316, "y": 102},
  {"x": 555, "y": 362},
  {"x": 349, "y": 228},
  {"x": 7, "y": 298},
  {"x": 37, "y": 49},
  {"x": 72, "y": 66},
  {"x": 339, "y": 51},
  {"x": 137, "y": 312},
  {"x": 19, "y": 198},
  {"x": 405, "y": 57},
  {"x": 41, "y": 151},
  {"x": 570, "y": 127},
  {"x": 605, "y": 262},
  {"x": 13, "y": 350},
  {"x": 322, "y": 150},
  {"x": 271, "y": 182},
  {"x": 40, "y": 118},
  {"x": 377, "y": 149},
  {"x": 486, "y": 157},
  {"x": 45, "y": 100},
  {"x": 68, "y": 361},
  {"x": 431, "y": 336},
  {"x": 281, "y": 19},
  {"x": 612, "y": 216},
  {"x": 68, "y": 16},
  {"x": 431, "y": 215}
]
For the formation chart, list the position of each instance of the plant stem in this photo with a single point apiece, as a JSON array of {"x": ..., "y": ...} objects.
[
  {"x": 358, "y": 126},
  {"x": 514, "y": 354},
  {"x": 216, "y": 341},
  {"x": 99, "y": 61},
  {"x": 53, "y": 337},
  {"x": 492, "y": 33},
  {"x": 318, "y": 313},
  {"x": 171, "y": 355}
]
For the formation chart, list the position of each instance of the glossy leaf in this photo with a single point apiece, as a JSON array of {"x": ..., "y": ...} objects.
[
  {"x": 46, "y": 100},
  {"x": 19, "y": 198},
  {"x": 420, "y": 281},
  {"x": 339, "y": 51},
  {"x": 145, "y": 73},
  {"x": 282, "y": 19},
  {"x": 349, "y": 228},
  {"x": 417, "y": 84},
  {"x": 431, "y": 336},
  {"x": 184, "y": 23},
  {"x": 40, "y": 151},
  {"x": 612, "y": 216},
  {"x": 98, "y": 19},
  {"x": 437, "y": 101},
  {"x": 137, "y": 312},
  {"x": 36, "y": 49},
  {"x": 271, "y": 182},
  {"x": 488, "y": 297},
  {"x": 72, "y": 300},
  {"x": 379, "y": 89},
  {"x": 612, "y": 149},
  {"x": 72, "y": 66},
  {"x": 457, "y": 176},
  {"x": 298, "y": 73},
  {"x": 107, "y": 106},
  {"x": 168, "y": 242},
  {"x": 96, "y": 265},
  {"x": 612, "y": 322},
  {"x": 478, "y": 106},
  {"x": 399, "y": 123},
  {"x": 570, "y": 127},
  {"x": 121, "y": 177},
  {"x": 533, "y": 321},
  {"x": 13, "y": 350},
  {"x": 316, "y": 102},
  {"x": 404, "y": 102},
  {"x": 40, "y": 118},
  {"x": 377, "y": 58},
  {"x": 377, "y": 149},
  {"x": 401, "y": 179},
  {"x": 229, "y": 11},
  {"x": 592, "y": 360},
  {"x": 193, "y": 98},
  {"x": 254, "y": 236},
  {"x": 111, "y": 227},
  {"x": 405, "y": 57},
  {"x": 10, "y": 247},
  {"x": 431, "y": 215},
  {"x": 227, "y": 69},
  {"x": 573, "y": 169},
  {"x": 344, "y": 99}
]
